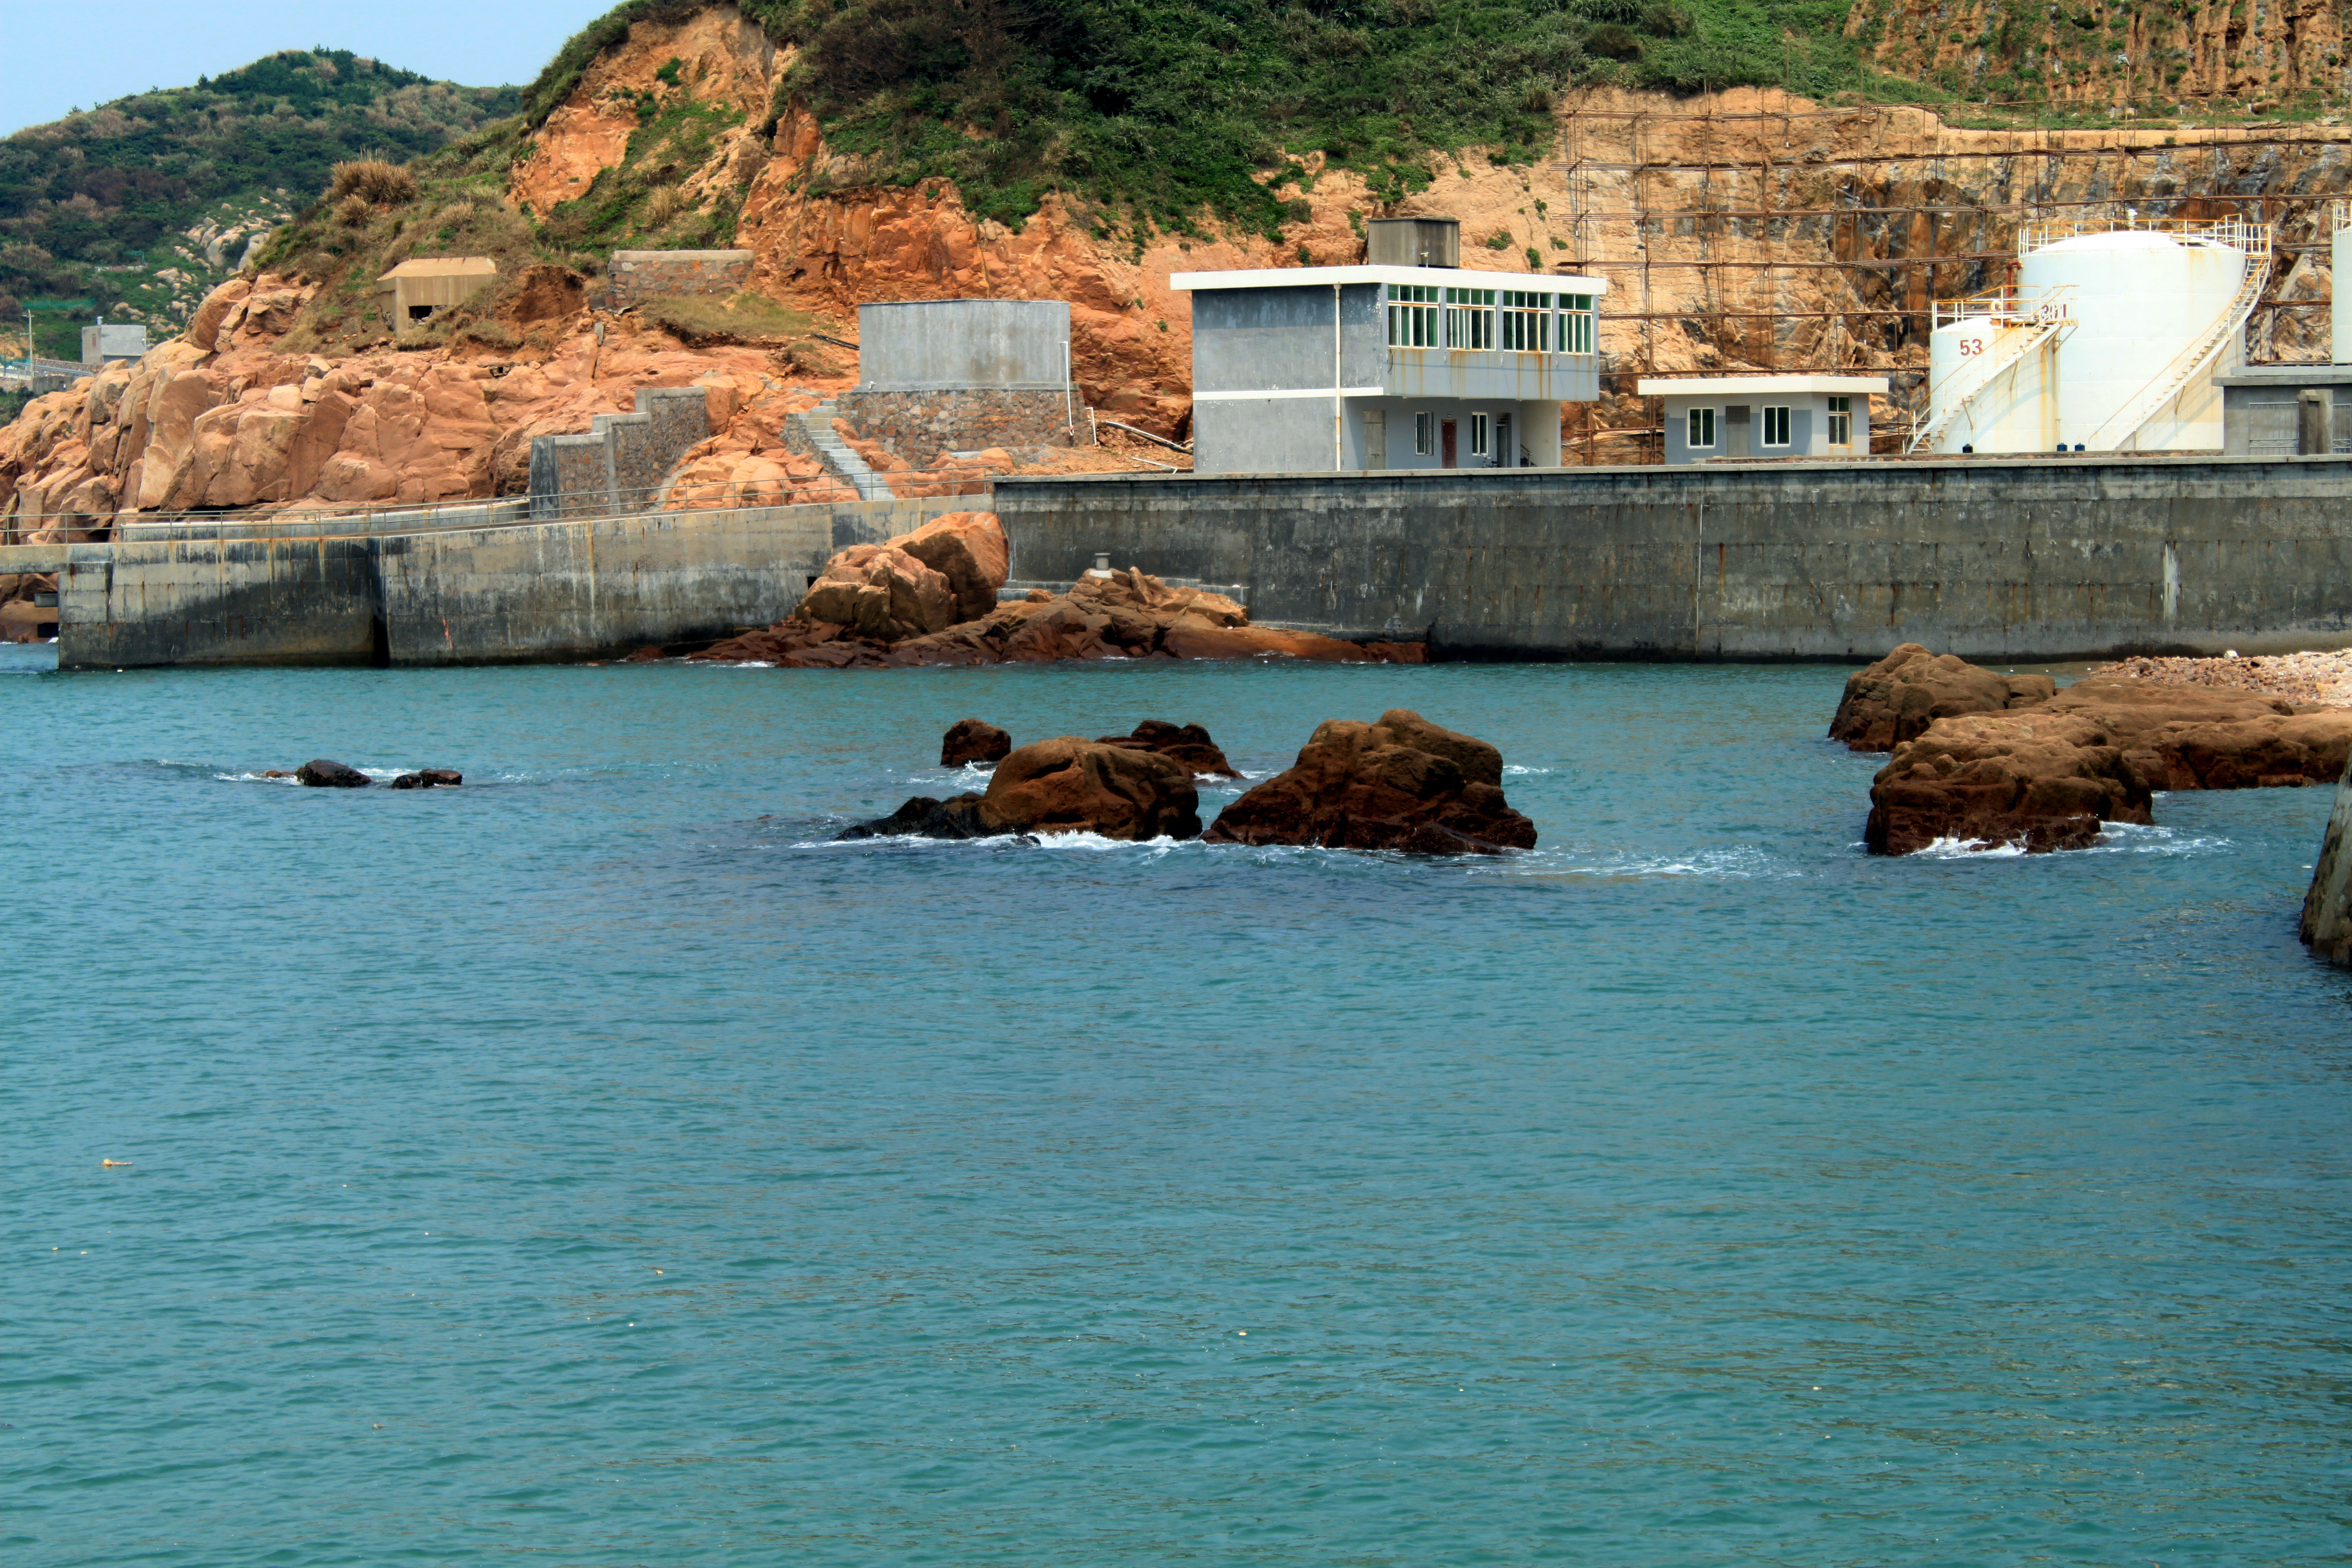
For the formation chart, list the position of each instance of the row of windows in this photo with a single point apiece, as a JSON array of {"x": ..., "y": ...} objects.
[
  {"x": 1701, "y": 434},
  {"x": 1482, "y": 433},
  {"x": 1423, "y": 316}
]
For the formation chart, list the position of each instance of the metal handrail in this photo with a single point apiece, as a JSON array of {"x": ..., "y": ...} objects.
[
  {"x": 2166, "y": 384},
  {"x": 2045, "y": 312},
  {"x": 2237, "y": 233}
]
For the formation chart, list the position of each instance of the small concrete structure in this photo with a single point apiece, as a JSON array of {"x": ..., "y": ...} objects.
[
  {"x": 416, "y": 290},
  {"x": 2258, "y": 409},
  {"x": 1332, "y": 369},
  {"x": 941, "y": 375},
  {"x": 1765, "y": 415},
  {"x": 111, "y": 341},
  {"x": 635, "y": 275},
  {"x": 1413, "y": 242}
]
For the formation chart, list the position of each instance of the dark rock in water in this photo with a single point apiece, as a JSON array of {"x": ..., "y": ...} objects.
[
  {"x": 1401, "y": 783},
  {"x": 923, "y": 817},
  {"x": 1188, "y": 744},
  {"x": 1070, "y": 784},
  {"x": 429, "y": 778},
  {"x": 974, "y": 741},
  {"x": 1896, "y": 698},
  {"x": 322, "y": 774}
]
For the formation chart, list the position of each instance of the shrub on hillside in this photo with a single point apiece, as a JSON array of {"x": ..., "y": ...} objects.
[{"x": 374, "y": 180}]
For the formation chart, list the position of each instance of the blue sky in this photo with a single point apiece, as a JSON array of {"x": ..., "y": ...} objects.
[{"x": 57, "y": 55}]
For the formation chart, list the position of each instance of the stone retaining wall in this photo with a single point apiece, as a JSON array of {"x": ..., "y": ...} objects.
[
  {"x": 620, "y": 463},
  {"x": 919, "y": 426},
  {"x": 635, "y": 275}
]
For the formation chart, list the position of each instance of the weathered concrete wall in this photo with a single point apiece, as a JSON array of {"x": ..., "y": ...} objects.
[
  {"x": 923, "y": 345},
  {"x": 2045, "y": 559},
  {"x": 572, "y": 589}
]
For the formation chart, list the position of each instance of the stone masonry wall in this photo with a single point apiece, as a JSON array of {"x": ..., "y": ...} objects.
[
  {"x": 619, "y": 464},
  {"x": 636, "y": 275},
  {"x": 919, "y": 426}
]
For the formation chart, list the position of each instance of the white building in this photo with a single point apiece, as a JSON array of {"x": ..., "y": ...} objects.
[
  {"x": 1765, "y": 415},
  {"x": 1325, "y": 369}
]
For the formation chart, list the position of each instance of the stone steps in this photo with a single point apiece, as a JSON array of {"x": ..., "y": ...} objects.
[{"x": 839, "y": 457}]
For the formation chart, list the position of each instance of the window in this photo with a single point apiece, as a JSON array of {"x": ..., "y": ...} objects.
[
  {"x": 1702, "y": 428},
  {"x": 1576, "y": 323},
  {"x": 1775, "y": 426},
  {"x": 1477, "y": 434},
  {"x": 1527, "y": 322},
  {"x": 1840, "y": 421},
  {"x": 1470, "y": 318},
  {"x": 1413, "y": 316},
  {"x": 1425, "y": 434}
]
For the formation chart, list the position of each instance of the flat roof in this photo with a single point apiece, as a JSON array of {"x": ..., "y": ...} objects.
[
  {"x": 2287, "y": 375},
  {"x": 1445, "y": 277},
  {"x": 1725, "y": 385},
  {"x": 443, "y": 267}
]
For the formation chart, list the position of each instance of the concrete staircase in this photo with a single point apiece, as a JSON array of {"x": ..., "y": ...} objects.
[{"x": 839, "y": 457}]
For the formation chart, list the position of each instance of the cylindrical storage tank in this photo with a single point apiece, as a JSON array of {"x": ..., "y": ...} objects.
[
  {"x": 2339, "y": 313},
  {"x": 1998, "y": 401},
  {"x": 2139, "y": 299}
]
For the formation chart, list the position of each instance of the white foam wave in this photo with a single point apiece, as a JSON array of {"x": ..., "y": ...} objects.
[
  {"x": 1969, "y": 850},
  {"x": 1511, "y": 769}
]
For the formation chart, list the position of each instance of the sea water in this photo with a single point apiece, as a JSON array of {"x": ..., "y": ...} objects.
[{"x": 596, "y": 1165}]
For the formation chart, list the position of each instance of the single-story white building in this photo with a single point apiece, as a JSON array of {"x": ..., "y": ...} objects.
[{"x": 1765, "y": 415}]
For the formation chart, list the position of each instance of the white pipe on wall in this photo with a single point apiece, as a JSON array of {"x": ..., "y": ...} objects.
[{"x": 1338, "y": 444}]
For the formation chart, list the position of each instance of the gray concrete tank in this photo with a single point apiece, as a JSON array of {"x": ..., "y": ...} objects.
[{"x": 922, "y": 345}]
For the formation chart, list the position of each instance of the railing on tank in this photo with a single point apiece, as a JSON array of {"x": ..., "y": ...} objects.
[
  {"x": 2010, "y": 306},
  {"x": 2253, "y": 238}
]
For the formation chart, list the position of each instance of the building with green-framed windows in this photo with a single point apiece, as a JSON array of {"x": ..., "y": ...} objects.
[{"x": 1325, "y": 369}]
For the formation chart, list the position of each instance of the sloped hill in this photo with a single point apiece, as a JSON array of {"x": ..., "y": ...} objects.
[{"x": 143, "y": 204}]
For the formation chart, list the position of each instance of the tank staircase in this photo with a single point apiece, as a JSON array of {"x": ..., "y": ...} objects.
[
  {"x": 2125, "y": 423},
  {"x": 2045, "y": 321},
  {"x": 840, "y": 459}
]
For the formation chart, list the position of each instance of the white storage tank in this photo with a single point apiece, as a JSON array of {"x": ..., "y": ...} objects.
[{"x": 2110, "y": 341}]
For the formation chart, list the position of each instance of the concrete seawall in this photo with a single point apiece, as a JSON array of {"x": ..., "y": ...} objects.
[
  {"x": 2010, "y": 561},
  {"x": 574, "y": 589}
]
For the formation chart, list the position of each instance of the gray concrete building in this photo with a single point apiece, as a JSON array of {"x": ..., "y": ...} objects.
[
  {"x": 109, "y": 341},
  {"x": 1765, "y": 415},
  {"x": 2259, "y": 409},
  {"x": 1333, "y": 369},
  {"x": 947, "y": 375}
]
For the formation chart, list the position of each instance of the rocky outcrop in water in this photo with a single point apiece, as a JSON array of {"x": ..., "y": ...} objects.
[
  {"x": 1066, "y": 784},
  {"x": 2046, "y": 777},
  {"x": 2327, "y": 926},
  {"x": 1897, "y": 698},
  {"x": 1401, "y": 783},
  {"x": 1186, "y": 744},
  {"x": 323, "y": 773},
  {"x": 892, "y": 606},
  {"x": 971, "y": 740},
  {"x": 430, "y": 778}
]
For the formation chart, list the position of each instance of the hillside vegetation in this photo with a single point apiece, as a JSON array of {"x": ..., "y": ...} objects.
[{"x": 140, "y": 205}]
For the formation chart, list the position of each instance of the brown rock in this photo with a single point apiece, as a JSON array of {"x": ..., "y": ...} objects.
[
  {"x": 1188, "y": 744},
  {"x": 1072, "y": 785},
  {"x": 1897, "y": 698},
  {"x": 967, "y": 548},
  {"x": 2036, "y": 781},
  {"x": 320, "y": 773},
  {"x": 974, "y": 741},
  {"x": 2197, "y": 737},
  {"x": 881, "y": 592},
  {"x": 1399, "y": 784}
]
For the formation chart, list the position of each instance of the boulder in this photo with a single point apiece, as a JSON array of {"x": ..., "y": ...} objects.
[
  {"x": 924, "y": 817},
  {"x": 1897, "y": 698},
  {"x": 972, "y": 741},
  {"x": 429, "y": 778},
  {"x": 1998, "y": 780},
  {"x": 967, "y": 548},
  {"x": 1401, "y": 783},
  {"x": 1063, "y": 786},
  {"x": 2327, "y": 926},
  {"x": 2180, "y": 736},
  {"x": 319, "y": 773},
  {"x": 1188, "y": 744},
  {"x": 1072, "y": 785},
  {"x": 879, "y": 590}
]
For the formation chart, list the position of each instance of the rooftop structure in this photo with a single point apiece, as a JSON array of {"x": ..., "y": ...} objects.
[
  {"x": 109, "y": 341},
  {"x": 1385, "y": 366}
]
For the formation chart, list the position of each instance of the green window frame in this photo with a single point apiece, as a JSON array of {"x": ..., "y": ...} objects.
[
  {"x": 1527, "y": 322},
  {"x": 1470, "y": 319},
  {"x": 1413, "y": 316},
  {"x": 1840, "y": 422},
  {"x": 1576, "y": 323},
  {"x": 1701, "y": 435}
]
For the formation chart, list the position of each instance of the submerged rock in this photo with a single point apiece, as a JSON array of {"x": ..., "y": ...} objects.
[
  {"x": 1897, "y": 698},
  {"x": 972, "y": 741},
  {"x": 1399, "y": 784},
  {"x": 1063, "y": 786},
  {"x": 320, "y": 773},
  {"x": 1187, "y": 743}
]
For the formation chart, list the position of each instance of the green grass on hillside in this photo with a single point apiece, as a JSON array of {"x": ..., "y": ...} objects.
[{"x": 1164, "y": 110}]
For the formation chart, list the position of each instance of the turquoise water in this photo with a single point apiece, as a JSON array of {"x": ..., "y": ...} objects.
[{"x": 593, "y": 1166}]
